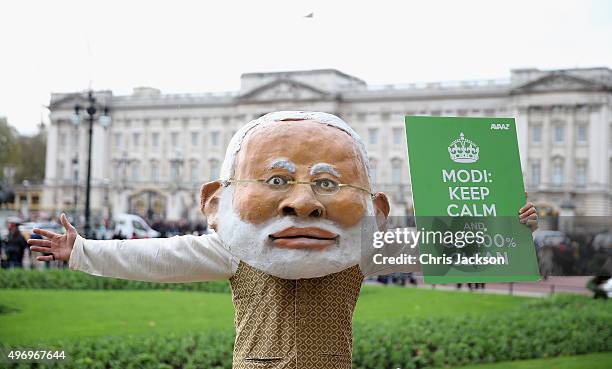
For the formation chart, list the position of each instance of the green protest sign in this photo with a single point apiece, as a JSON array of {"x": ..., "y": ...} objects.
[{"x": 467, "y": 189}]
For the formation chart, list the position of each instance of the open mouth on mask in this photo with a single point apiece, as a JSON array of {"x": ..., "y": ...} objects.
[{"x": 312, "y": 238}]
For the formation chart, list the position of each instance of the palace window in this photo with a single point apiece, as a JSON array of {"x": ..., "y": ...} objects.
[
  {"x": 610, "y": 174},
  {"x": 135, "y": 172},
  {"x": 194, "y": 138},
  {"x": 118, "y": 140},
  {"x": 214, "y": 138},
  {"x": 174, "y": 170},
  {"x": 398, "y": 134},
  {"x": 194, "y": 175},
  {"x": 214, "y": 169},
  {"x": 154, "y": 172},
  {"x": 558, "y": 134},
  {"x": 174, "y": 139},
  {"x": 155, "y": 139},
  {"x": 536, "y": 134},
  {"x": 116, "y": 171},
  {"x": 581, "y": 174},
  {"x": 373, "y": 135},
  {"x": 536, "y": 174},
  {"x": 136, "y": 139},
  {"x": 557, "y": 172},
  {"x": 396, "y": 171},
  {"x": 60, "y": 171},
  {"x": 581, "y": 133}
]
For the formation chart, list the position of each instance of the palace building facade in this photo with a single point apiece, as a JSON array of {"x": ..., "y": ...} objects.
[{"x": 160, "y": 148}]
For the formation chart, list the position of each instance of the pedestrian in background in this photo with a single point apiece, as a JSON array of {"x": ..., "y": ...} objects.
[{"x": 16, "y": 245}]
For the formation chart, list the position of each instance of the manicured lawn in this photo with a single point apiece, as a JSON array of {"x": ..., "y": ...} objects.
[
  {"x": 590, "y": 361},
  {"x": 59, "y": 314},
  {"x": 376, "y": 303},
  {"x": 50, "y": 315}
]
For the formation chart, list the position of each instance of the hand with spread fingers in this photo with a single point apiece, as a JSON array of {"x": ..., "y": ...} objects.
[
  {"x": 529, "y": 216},
  {"x": 57, "y": 246}
]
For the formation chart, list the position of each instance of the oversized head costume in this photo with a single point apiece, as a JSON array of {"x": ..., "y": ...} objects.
[{"x": 294, "y": 197}]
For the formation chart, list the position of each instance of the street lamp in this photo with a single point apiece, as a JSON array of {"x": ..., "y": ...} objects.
[
  {"x": 25, "y": 207},
  {"x": 75, "y": 162},
  {"x": 105, "y": 120}
]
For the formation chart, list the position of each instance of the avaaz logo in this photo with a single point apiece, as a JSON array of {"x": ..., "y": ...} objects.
[{"x": 498, "y": 126}]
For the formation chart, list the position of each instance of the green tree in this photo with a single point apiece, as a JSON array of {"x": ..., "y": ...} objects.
[
  {"x": 24, "y": 154},
  {"x": 10, "y": 150},
  {"x": 31, "y": 165}
]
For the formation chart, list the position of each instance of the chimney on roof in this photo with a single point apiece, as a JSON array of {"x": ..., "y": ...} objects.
[{"x": 146, "y": 92}]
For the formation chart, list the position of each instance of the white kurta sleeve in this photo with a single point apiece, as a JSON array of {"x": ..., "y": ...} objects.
[{"x": 176, "y": 259}]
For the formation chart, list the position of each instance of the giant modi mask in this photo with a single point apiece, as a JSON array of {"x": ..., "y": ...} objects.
[{"x": 295, "y": 195}]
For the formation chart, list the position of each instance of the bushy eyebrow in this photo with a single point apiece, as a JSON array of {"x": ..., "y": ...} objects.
[
  {"x": 282, "y": 164},
  {"x": 324, "y": 168}
]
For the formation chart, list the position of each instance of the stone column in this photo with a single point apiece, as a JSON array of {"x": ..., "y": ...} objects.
[
  {"x": 48, "y": 197},
  {"x": 546, "y": 173},
  {"x": 570, "y": 144},
  {"x": 98, "y": 166},
  {"x": 522, "y": 133},
  {"x": 599, "y": 119},
  {"x": 597, "y": 146}
]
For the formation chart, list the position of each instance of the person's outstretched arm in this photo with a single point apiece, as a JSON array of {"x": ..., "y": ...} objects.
[{"x": 176, "y": 259}]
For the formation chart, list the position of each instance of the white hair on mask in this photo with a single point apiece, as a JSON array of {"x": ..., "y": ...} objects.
[{"x": 228, "y": 167}]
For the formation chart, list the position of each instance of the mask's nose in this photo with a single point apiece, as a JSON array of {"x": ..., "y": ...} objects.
[{"x": 301, "y": 202}]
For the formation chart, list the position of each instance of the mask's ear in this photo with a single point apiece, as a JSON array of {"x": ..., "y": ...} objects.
[
  {"x": 209, "y": 202},
  {"x": 382, "y": 208}
]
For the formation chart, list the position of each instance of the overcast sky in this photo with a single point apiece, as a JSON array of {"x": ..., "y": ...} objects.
[{"x": 195, "y": 46}]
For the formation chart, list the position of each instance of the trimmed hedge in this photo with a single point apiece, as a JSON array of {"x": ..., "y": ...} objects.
[
  {"x": 562, "y": 325},
  {"x": 556, "y": 326},
  {"x": 70, "y": 279}
]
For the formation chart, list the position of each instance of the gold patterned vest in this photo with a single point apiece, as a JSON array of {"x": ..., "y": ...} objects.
[{"x": 294, "y": 324}]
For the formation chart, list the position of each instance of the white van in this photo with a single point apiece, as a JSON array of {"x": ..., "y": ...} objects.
[{"x": 133, "y": 226}]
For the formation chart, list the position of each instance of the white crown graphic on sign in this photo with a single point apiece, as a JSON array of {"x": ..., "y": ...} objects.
[{"x": 463, "y": 150}]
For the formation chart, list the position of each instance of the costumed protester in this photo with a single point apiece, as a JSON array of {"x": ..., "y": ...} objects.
[{"x": 294, "y": 197}]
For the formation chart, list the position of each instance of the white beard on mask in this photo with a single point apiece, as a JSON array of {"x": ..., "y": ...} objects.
[{"x": 251, "y": 243}]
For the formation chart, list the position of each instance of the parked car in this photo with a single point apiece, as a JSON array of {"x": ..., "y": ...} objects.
[
  {"x": 27, "y": 227},
  {"x": 7, "y": 216},
  {"x": 133, "y": 226},
  {"x": 603, "y": 242}
]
